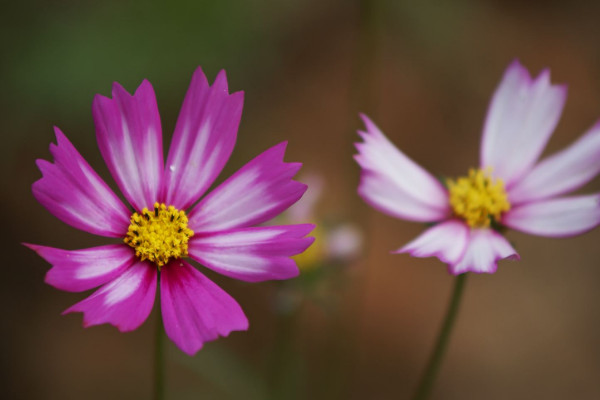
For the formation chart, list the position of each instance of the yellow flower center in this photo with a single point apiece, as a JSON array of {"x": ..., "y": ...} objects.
[
  {"x": 478, "y": 198},
  {"x": 159, "y": 235}
]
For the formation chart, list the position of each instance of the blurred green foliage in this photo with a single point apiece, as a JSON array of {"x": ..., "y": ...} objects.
[{"x": 57, "y": 53}]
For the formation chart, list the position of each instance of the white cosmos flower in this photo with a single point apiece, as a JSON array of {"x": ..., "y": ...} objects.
[{"x": 510, "y": 188}]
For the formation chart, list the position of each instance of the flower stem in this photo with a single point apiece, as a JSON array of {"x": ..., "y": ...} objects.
[
  {"x": 428, "y": 378},
  {"x": 286, "y": 362},
  {"x": 159, "y": 352}
]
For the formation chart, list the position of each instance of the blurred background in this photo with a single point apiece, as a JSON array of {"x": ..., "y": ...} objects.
[{"x": 354, "y": 326}]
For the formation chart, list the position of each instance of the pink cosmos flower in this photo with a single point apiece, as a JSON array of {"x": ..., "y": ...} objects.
[
  {"x": 219, "y": 232},
  {"x": 509, "y": 189}
]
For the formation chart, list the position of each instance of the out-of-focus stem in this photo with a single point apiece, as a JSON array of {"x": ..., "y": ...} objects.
[
  {"x": 159, "y": 352},
  {"x": 435, "y": 361}
]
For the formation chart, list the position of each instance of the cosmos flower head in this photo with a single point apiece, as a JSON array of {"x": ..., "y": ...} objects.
[
  {"x": 509, "y": 189},
  {"x": 171, "y": 219}
]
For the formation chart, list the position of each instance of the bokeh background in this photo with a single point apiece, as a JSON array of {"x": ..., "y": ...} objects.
[{"x": 425, "y": 71}]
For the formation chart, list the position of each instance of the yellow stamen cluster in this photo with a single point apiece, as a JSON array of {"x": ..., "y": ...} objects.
[
  {"x": 478, "y": 198},
  {"x": 160, "y": 234}
]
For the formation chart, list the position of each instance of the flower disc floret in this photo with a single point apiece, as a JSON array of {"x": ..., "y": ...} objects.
[
  {"x": 478, "y": 198},
  {"x": 160, "y": 234}
]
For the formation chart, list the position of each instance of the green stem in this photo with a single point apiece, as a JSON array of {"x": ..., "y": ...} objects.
[
  {"x": 286, "y": 364},
  {"x": 435, "y": 360},
  {"x": 159, "y": 352}
]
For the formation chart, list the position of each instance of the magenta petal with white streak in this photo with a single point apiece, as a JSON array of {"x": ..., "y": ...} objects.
[
  {"x": 79, "y": 270},
  {"x": 259, "y": 191},
  {"x": 484, "y": 248},
  {"x": 446, "y": 241},
  {"x": 125, "y": 302},
  {"x": 72, "y": 191},
  {"x": 521, "y": 118},
  {"x": 129, "y": 136},
  {"x": 252, "y": 254},
  {"x": 194, "y": 309},
  {"x": 561, "y": 217},
  {"x": 562, "y": 172},
  {"x": 394, "y": 184},
  {"x": 204, "y": 137}
]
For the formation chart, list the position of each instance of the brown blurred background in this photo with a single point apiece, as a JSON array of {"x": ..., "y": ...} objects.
[{"x": 425, "y": 72}]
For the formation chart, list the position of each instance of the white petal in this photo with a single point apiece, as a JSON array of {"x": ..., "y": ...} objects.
[
  {"x": 562, "y": 217},
  {"x": 521, "y": 118},
  {"x": 446, "y": 241},
  {"x": 485, "y": 247},
  {"x": 562, "y": 172},
  {"x": 394, "y": 184}
]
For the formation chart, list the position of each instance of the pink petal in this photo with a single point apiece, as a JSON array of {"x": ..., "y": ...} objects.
[
  {"x": 79, "y": 270},
  {"x": 253, "y": 254},
  {"x": 394, "y": 184},
  {"x": 484, "y": 248},
  {"x": 259, "y": 191},
  {"x": 562, "y": 172},
  {"x": 521, "y": 118},
  {"x": 446, "y": 241},
  {"x": 203, "y": 140},
  {"x": 72, "y": 191},
  {"x": 562, "y": 217},
  {"x": 125, "y": 302},
  {"x": 194, "y": 309},
  {"x": 130, "y": 139}
]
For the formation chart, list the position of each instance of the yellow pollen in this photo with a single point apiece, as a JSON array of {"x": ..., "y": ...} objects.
[
  {"x": 160, "y": 234},
  {"x": 478, "y": 198}
]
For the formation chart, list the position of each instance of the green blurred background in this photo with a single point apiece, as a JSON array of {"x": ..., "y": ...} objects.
[{"x": 425, "y": 71}]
